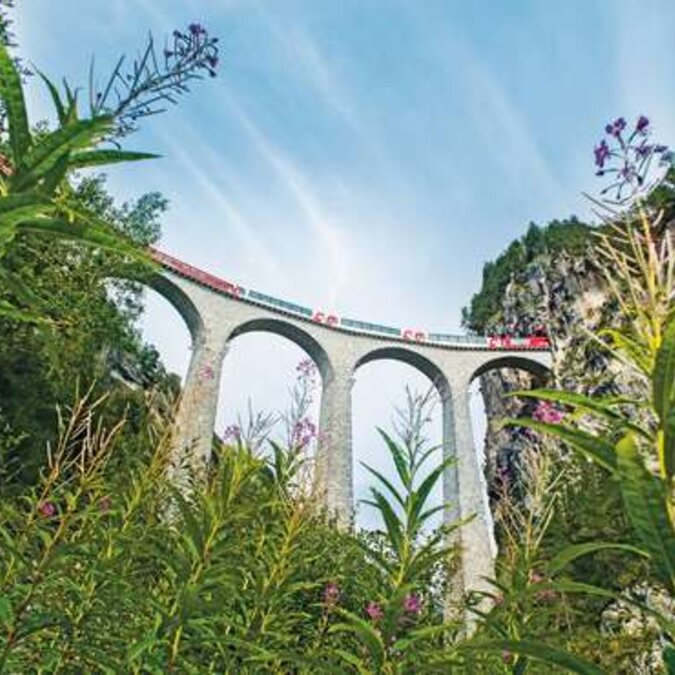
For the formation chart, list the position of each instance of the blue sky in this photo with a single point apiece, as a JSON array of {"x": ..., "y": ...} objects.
[{"x": 367, "y": 156}]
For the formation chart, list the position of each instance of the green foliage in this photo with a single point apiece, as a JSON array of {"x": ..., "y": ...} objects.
[
  {"x": 87, "y": 327},
  {"x": 36, "y": 196},
  {"x": 631, "y": 439},
  {"x": 569, "y": 235}
]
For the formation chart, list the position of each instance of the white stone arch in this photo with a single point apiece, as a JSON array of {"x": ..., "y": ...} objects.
[
  {"x": 421, "y": 363},
  {"x": 180, "y": 300},
  {"x": 539, "y": 368},
  {"x": 290, "y": 331}
]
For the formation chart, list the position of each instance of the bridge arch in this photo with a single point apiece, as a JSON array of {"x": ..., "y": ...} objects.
[
  {"x": 412, "y": 358},
  {"x": 176, "y": 296},
  {"x": 293, "y": 333},
  {"x": 540, "y": 371}
]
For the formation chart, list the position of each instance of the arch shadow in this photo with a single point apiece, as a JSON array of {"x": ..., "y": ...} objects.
[
  {"x": 177, "y": 297},
  {"x": 180, "y": 300},
  {"x": 417, "y": 361},
  {"x": 291, "y": 332},
  {"x": 540, "y": 372}
]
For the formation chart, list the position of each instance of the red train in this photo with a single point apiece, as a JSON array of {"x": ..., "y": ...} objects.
[{"x": 538, "y": 340}]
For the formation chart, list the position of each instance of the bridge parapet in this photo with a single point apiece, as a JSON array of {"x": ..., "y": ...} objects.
[{"x": 343, "y": 324}]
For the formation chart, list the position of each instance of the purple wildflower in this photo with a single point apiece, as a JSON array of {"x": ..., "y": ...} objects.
[
  {"x": 331, "y": 594},
  {"x": 616, "y": 127},
  {"x": 374, "y": 611},
  {"x": 642, "y": 124},
  {"x": 306, "y": 369},
  {"x": 412, "y": 604},
  {"x": 304, "y": 432},
  {"x": 232, "y": 433},
  {"x": 47, "y": 509},
  {"x": 644, "y": 150},
  {"x": 602, "y": 153}
]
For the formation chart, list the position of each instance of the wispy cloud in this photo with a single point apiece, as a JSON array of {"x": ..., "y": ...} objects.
[
  {"x": 644, "y": 67},
  {"x": 194, "y": 157},
  {"x": 326, "y": 230}
]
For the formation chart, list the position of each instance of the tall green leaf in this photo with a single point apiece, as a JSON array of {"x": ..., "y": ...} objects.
[
  {"x": 11, "y": 92},
  {"x": 590, "y": 446},
  {"x": 56, "y": 98},
  {"x": 84, "y": 159},
  {"x": 398, "y": 457},
  {"x": 663, "y": 394},
  {"x": 539, "y": 652},
  {"x": 663, "y": 377},
  {"x": 571, "y": 553},
  {"x": 645, "y": 497},
  {"x": 43, "y": 156},
  {"x": 604, "y": 407}
]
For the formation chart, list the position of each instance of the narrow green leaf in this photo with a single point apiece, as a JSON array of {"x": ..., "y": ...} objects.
[
  {"x": 421, "y": 494},
  {"x": 351, "y": 659},
  {"x": 669, "y": 442},
  {"x": 11, "y": 92},
  {"x": 571, "y": 553},
  {"x": 391, "y": 520},
  {"x": 6, "y": 613},
  {"x": 604, "y": 406},
  {"x": 394, "y": 492},
  {"x": 9, "y": 311},
  {"x": 588, "y": 445},
  {"x": 83, "y": 159},
  {"x": 569, "y": 586},
  {"x": 645, "y": 497},
  {"x": 42, "y": 157},
  {"x": 56, "y": 98},
  {"x": 669, "y": 659},
  {"x": 398, "y": 457},
  {"x": 368, "y": 635},
  {"x": 663, "y": 377},
  {"x": 55, "y": 176},
  {"x": 537, "y": 651},
  {"x": 632, "y": 350}
]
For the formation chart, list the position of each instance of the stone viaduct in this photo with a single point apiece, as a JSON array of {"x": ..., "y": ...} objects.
[{"x": 217, "y": 312}]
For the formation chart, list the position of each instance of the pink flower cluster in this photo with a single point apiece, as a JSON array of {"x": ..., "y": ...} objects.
[
  {"x": 304, "y": 432},
  {"x": 47, "y": 509},
  {"x": 331, "y": 594},
  {"x": 548, "y": 413},
  {"x": 306, "y": 370},
  {"x": 232, "y": 433},
  {"x": 412, "y": 604},
  {"x": 374, "y": 611},
  {"x": 545, "y": 595}
]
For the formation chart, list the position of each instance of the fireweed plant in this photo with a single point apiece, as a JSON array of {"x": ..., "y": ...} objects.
[
  {"x": 36, "y": 196},
  {"x": 403, "y": 627},
  {"x": 632, "y": 438},
  {"x": 634, "y": 165}
]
